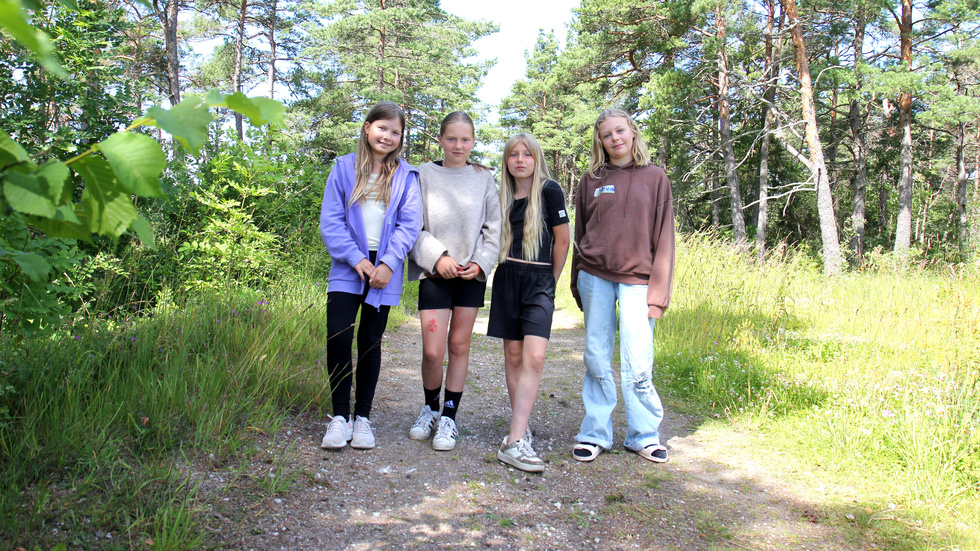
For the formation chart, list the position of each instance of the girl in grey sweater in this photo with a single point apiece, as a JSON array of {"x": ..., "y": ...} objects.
[{"x": 455, "y": 251}]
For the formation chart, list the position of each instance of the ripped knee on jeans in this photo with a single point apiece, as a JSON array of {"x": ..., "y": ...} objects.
[{"x": 643, "y": 385}]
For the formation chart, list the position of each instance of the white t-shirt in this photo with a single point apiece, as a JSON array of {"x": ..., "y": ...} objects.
[{"x": 373, "y": 210}]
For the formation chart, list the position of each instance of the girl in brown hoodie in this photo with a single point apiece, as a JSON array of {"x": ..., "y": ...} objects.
[{"x": 624, "y": 253}]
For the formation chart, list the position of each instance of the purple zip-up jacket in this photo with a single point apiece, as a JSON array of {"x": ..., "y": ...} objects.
[{"x": 342, "y": 229}]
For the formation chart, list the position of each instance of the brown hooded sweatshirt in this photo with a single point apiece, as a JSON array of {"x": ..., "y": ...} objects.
[{"x": 624, "y": 231}]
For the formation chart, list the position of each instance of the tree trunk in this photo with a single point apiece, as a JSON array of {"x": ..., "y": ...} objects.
[
  {"x": 725, "y": 128},
  {"x": 769, "y": 98},
  {"x": 273, "y": 21},
  {"x": 239, "y": 52},
  {"x": 903, "y": 222},
  {"x": 856, "y": 120},
  {"x": 832, "y": 139},
  {"x": 715, "y": 207},
  {"x": 961, "y": 191},
  {"x": 882, "y": 209},
  {"x": 382, "y": 37},
  {"x": 825, "y": 205},
  {"x": 169, "y": 20}
]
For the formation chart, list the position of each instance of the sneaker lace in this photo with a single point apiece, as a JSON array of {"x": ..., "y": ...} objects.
[
  {"x": 446, "y": 428},
  {"x": 526, "y": 450},
  {"x": 363, "y": 428},
  {"x": 425, "y": 418}
]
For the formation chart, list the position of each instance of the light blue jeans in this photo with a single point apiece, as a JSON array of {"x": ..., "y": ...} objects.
[{"x": 643, "y": 408}]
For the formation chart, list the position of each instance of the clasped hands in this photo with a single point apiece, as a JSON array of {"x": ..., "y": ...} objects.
[
  {"x": 447, "y": 268},
  {"x": 376, "y": 276}
]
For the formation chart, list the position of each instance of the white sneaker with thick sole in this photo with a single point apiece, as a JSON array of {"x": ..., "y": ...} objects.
[
  {"x": 520, "y": 454},
  {"x": 446, "y": 435},
  {"x": 363, "y": 438},
  {"x": 422, "y": 427},
  {"x": 339, "y": 433}
]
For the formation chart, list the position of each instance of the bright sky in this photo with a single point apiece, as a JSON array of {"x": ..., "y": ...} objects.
[{"x": 519, "y": 21}]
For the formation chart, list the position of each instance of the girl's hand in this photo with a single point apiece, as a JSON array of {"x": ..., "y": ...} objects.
[
  {"x": 447, "y": 268},
  {"x": 381, "y": 276},
  {"x": 364, "y": 269},
  {"x": 470, "y": 271}
]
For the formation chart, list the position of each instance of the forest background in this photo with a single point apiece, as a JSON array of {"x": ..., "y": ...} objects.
[{"x": 139, "y": 177}]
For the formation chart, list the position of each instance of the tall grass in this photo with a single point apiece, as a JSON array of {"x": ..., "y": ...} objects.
[
  {"x": 88, "y": 417},
  {"x": 873, "y": 377},
  {"x": 867, "y": 384}
]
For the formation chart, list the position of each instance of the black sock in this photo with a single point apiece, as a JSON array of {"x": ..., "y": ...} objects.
[
  {"x": 432, "y": 399},
  {"x": 450, "y": 404}
]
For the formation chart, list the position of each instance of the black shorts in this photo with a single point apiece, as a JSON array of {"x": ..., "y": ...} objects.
[
  {"x": 439, "y": 294},
  {"x": 523, "y": 301}
]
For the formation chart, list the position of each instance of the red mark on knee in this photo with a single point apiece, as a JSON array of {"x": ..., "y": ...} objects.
[{"x": 433, "y": 326}]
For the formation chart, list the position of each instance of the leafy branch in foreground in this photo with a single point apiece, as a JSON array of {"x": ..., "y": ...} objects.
[{"x": 125, "y": 165}]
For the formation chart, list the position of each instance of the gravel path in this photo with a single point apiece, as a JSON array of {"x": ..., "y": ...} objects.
[{"x": 405, "y": 495}]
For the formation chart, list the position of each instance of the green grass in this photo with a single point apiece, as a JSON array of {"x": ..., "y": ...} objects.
[
  {"x": 87, "y": 416},
  {"x": 866, "y": 385},
  {"x": 869, "y": 381}
]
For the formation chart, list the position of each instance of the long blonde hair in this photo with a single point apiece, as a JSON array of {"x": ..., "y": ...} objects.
[
  {"x": 364, "y": 161},
  {"x": 641, "y": 156},
  {"x": 534, "y": 213}
]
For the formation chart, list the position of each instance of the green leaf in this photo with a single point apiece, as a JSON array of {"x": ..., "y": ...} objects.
[
  {"x": 258, "y": 110},
  {"x": 33, "y": 265},
  {"x": 13, "y": 21},
  {"x": 188, "y": 122},
  {"x": 216, "y": 98},
  {"x": 65, "y": 223},
  {"x": 106, "y": 205},
  {"x": 145, "y": 232},
  {"x": 26, "y": 193},
  {"x": 55, "y": 175},
  {"x": 11, "y": 152},
  {"x": 136, "y": 160}
]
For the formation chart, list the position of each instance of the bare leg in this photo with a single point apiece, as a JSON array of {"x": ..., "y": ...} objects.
[
  {"x": 523, "y": 365},
  {"x": 435, "y": 327},
  {"x": 460, "y": 336}
]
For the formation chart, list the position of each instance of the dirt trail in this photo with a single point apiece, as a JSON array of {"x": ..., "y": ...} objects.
[{"x": 405, "y": 495}]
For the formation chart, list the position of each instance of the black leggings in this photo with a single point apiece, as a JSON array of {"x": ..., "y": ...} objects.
[{"x": 341, "y": 312}]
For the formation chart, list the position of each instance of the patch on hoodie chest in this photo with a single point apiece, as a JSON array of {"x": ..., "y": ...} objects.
[{"x": 605, "y": 189}]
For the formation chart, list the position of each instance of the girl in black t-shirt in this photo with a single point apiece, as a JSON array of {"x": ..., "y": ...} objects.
[{"x": 533, "y": 248}]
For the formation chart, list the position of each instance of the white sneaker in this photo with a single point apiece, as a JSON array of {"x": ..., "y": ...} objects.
[
  {"x": 520, "y": 454},
  {"x": 339, "y": 432},
  {"x": 446, "y": 435},
  {"x": 423, "y": 425},
  {"x": 363, "y": 435}
]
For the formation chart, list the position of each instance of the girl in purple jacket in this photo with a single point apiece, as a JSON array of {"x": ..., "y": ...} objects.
[{"x": 370, "y": 218}]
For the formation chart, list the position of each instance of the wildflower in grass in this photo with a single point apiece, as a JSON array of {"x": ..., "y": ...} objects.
[
  {"x": 134, "y": 338},
  {"x": 887, "y": 413}
]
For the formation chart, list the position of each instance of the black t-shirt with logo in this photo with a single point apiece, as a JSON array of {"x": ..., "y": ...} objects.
[{"x": 555, "y": 214}]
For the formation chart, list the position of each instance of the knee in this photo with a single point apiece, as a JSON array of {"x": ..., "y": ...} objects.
[
  {"x": 642, "y": 384},
  {"x": 512, "y": 363},
  {"x": 535, "y": 361},
  {"x": 596, "y": 372},
  {"x": 459, "y": 345},
  {"x": 433, "y": 356}
]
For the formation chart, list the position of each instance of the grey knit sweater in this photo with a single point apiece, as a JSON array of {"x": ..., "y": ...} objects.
[{"x": 460, "y": 217}]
